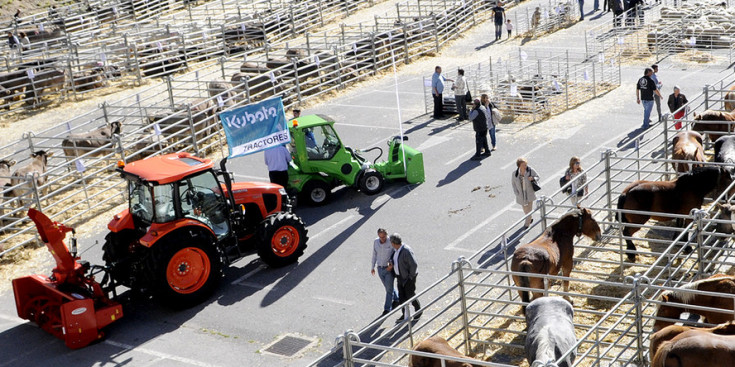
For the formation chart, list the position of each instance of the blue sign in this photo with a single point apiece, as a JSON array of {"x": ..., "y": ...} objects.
[{"x": 255, "y": 127}]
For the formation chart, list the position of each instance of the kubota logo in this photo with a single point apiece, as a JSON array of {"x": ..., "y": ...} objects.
[
  {"x": 79, "y": 311},
  {"x": 241, "y": 120}
]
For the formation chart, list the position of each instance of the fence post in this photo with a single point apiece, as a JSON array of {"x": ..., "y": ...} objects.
[
  {"x": 170, "y": 92},
  {"x": 137, "y": 64},
  {"x": 348, "y": 336},
  {"x": 405, "y": 43},
  {"x": 34, "y": 185},
  {"x": 608, "y": 185},
  {"x": 699, "y": 216},
  {"x": 222, "y": 61},
  {"x": 71, "y": 79},
  {"x": 458, "y": 266},
  {"x": 436, "y": 32},
  {"x": 594, "y": 80},
  {"x": 296, "y": 75},
  {"x": 247, "y": 88},
  {"x": 541, "y": 204},
  {"x": 637, "y": 280},
  {"x": 375, "y": 56},
  {"x": 120, "y": 147},
  {"x": 706, "y": 96},
  {"x": 192, "y": 128}
]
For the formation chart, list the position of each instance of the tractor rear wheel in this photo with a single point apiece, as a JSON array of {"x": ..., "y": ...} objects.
[
  {"x": 317, "y": 192},
  {"x": 371, "y": 182},
  {"x": 281, "y": 239},
  {"x": 188, "y": 269}
]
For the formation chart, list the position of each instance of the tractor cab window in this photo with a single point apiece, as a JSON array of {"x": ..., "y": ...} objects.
[
  {"x": 141, "y": 201},
  {"x": 163, "y": 199},
  {"x": 201, "y": 199},
  {"x": 322, "y": 142}
]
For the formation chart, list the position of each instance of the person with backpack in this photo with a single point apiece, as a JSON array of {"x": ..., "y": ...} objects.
[
  {"x": 524, "y": 181},
  {"x": 479, "y": 124}
]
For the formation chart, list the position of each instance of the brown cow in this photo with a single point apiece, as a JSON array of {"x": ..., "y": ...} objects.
[
  {"x": 687, "y": 146},
  {"x": 437, "y": 345},
  {"x": 43, "y": 80},
  {"x": 715, "y": 123},
  {"x": 681, "y": 346},
  {"x": 36, "y": 168},
  {"x": 77, "y": 145}
]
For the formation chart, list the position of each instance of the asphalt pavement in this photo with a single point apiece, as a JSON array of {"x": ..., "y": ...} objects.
[{"x": 331, "y": 290}]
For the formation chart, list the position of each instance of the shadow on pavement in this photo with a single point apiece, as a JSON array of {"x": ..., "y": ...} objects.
[
  {"x": 492, "y": 257},
  {"x": 458, "y": 172}
]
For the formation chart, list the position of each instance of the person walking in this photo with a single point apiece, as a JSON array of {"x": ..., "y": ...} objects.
[
  {"x": 645, "y": 90},
  {"x": 509, "y": 27},
  {"x": 536, "y": 19},
  {"x": 405, "y": 267},
  {"x": 499, "y": 19},
  {"x": 382, "y": 258},
  {"x": 522, "y": 182},
  {"x": 485, "y": 101},
  {"x": 277, "y": 160},
  {"x": 616, "y": 6},
  {"x": 478, "y": 115},
  {"x": 675, "y": 102},
  {"x": 437, "y": 88},
  {"x": 460, "y": 93},
  {"x": 578, "y": 177},
  {"x": 657, "y": 97}
]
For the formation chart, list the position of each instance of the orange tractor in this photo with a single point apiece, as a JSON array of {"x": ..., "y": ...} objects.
[{"x": 182, "y": 225}]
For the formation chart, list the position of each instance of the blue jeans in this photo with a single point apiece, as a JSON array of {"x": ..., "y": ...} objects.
[
  {"x": 597, "y": 4},
  {"x": 647, "y": 108},
  {"x": 492, "y": 136},
  {"x": 391, "y": 294}
]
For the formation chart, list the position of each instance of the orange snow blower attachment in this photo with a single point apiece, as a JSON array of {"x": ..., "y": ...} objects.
[{"x": 69, "y": 304}]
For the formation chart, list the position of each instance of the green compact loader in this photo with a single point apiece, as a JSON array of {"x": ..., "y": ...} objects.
[{"x": 321, "y": 162}]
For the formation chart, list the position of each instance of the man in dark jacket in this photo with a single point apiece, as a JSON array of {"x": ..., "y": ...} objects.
[
  {"x": 478, "y": 116},
  {"x": 405, "y": 267},
  {"x": 676, "y": 100}
]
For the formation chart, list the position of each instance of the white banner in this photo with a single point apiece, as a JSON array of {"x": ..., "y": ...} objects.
[{"x": 275, "y": 139}]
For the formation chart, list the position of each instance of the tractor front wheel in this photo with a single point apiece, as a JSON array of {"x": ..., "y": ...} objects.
[
  {"x": 188, "y": 269},
  {"x": 371, "y": 182},
  {"x": 281, "y": 239},
  {"x": 317, "y": 192}
]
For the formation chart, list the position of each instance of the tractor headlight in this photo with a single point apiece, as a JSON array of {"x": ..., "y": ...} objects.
[{"x": 282, "y": 191}]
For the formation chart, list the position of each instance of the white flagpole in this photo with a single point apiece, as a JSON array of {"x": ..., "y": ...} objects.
[{"x": 398, "y": 105}]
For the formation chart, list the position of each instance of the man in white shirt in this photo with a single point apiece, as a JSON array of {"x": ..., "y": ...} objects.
[
  {"x": 382, "y": 257},
  {"x": 277, "y": 160}
]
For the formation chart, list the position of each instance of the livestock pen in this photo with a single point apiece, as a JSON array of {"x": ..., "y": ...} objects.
[
  {"x": 533, "y": 84},
  {"x": 476, "y": 306},
  {"x": 179, "y": 114},
  {"x": 693, "y": 32}
]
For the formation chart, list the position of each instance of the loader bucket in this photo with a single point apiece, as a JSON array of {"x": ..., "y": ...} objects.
[{"x": 414, "y": 165}]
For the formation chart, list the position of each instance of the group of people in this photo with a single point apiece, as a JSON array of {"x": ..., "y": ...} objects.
[
  {"x": 648, "y": 93},
  {"x": 484, "y": 114},
  {"x": 19, "y": 41},
  {"x": 397, "y": 269},
  {"x": 525, "y": 184}
]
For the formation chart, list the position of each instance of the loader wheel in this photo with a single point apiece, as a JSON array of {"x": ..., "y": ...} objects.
[
  {"x": 371, "y": 182},
  {"x": 281, "y": 239},
  {"x": 46, "y": 313},
  {"x": 188, "y": 270},
  {"x": 317, "y": 192}
]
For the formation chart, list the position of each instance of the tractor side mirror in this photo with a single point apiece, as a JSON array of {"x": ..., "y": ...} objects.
[
  {"x": 242, "y": 209},
  {"x": 405, "y": 138}
]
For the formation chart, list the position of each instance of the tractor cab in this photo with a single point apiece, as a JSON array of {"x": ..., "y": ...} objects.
[{"x": 180, "y": 187}]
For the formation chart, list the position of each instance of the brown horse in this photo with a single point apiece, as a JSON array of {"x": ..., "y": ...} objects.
[
  {"x": 687, "y": 146},
  {"x": 714, "y": 123},
  {"x": 678, "y": 196},
  {"x": 730, "y": 99},
  {"x": 672, "y": 331},
  {"x": 717, "y": 283},
  {"x": 679, "y": 346},
  {"x": 553, "y": 250}
]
